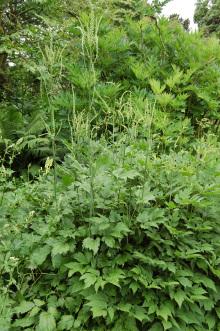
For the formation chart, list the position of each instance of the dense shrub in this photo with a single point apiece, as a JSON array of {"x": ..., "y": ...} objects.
[
  {"x": 130, "y": 243},
  {"x": 91, "y": 65}
]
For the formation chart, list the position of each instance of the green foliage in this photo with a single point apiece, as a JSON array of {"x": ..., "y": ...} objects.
[
  {"x": 207, "y": 16},
  {"x": 132, "y": 244},
  {"x": 85, "y": 70},
  {"x": 109, "y": 169},
  {"x": 185, "y": 22}
]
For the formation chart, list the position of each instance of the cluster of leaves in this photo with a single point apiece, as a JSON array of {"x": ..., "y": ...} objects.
[
  {"x": 160, "y": 60},
  {"x": 88, "y": 66},
  {"x": 131, "y": 241}
]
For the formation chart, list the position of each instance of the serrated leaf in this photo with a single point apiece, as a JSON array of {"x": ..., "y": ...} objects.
[
  {"x": 111, "y": 313},
  {"x": 24, "y": 307},
  {"x": 92, "y": 244},
  {"x": 208, "y": 304},
  {"x": 76, "y": 286},
  {"x": 198, "y": 294},
  {"x": 109, "y": 241},
  {"x": 52, "y": 310},
  {"x": 179, "y": 296},
  {"x": 164, "y": 311},
  {"x": 114, "y": 276},
  {"x": 98, "y": 305},
  {"x": 74, "y": 268},
  {"x": 208, "y": 283},
  {"x": 120, "y": 230},
  {"x": 218, "y": 312},
  {"x": 34, "y": 311},
  {"x": 60, "y": 248},
  {"x": 39, "y": 255},
  {"x": 98, "y": 312},
  {"x": 125, "y": 174},
  {"x": 185, "y": 281},
  {"x": 211, "y": 321},
  {"x": 47, "y": 322},
  {"x": 24, "y": 322},
  {"x": 38, "y": 302},
  {"x": 89, "y": 279},
  {"x": 66, "y": 322},
  {"x": 126, "y": 307},
  {"x": 167, "y": 325},
  {"x": 156, "y": 86},
  {"x": 99, "y": 283},
  {"x": 189, "y": 317},
  {"x": 140, "y": 314},
  {"x": 134, "y": 286}
]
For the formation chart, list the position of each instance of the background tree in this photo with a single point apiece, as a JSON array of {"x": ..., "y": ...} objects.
[
  {"x": 19, "y": 23},
  {"x": 184, "y": 22},
  {"x": 207, "y": 16}
]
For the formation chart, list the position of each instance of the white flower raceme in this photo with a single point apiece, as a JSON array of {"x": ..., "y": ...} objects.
[{"x": 48, "y": 165}]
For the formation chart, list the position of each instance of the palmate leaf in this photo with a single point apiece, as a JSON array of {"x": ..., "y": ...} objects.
[
  {"x": 141, "y": 71},
  {"x": 165, "y": 99},
  {"x": 98, "y": 304},
  {"x": 175, "y": 79},
  {"x": 156, "y": 86}
]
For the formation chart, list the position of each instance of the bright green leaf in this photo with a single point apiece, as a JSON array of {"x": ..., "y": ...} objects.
[
  {"x": 92, "y": 244},
  {"x": 47, "y": 322}
]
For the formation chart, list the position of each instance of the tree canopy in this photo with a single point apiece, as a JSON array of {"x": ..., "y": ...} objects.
[{"x": 207, "y": 16}]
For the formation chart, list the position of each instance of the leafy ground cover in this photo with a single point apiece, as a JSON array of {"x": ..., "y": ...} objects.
[
  {"x": 109, "y": 172},
  {"x": 131, "y": 243}
]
